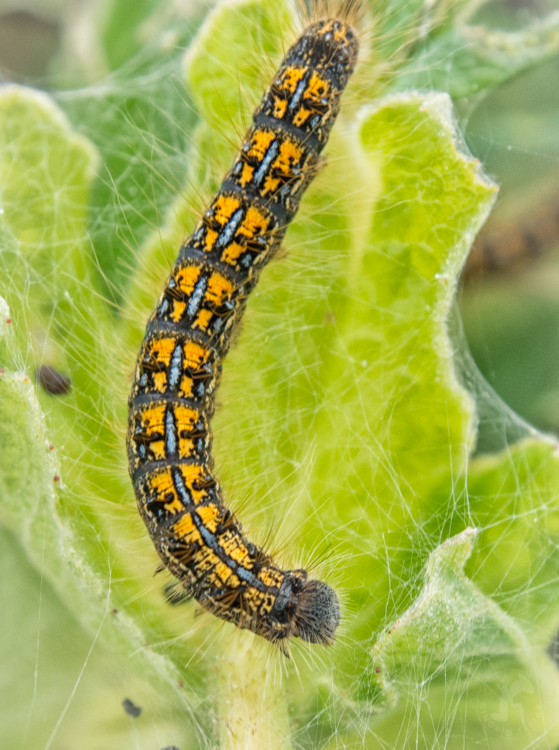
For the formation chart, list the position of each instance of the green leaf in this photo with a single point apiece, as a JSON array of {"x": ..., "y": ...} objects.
[
  {"x": 124, "y": 22},
  {"x": 141, "y": 121},
  {"x": 344, "y": 427},
  {"x": 248, "y": 36},
  {"x": 467, "y": 59},
  {"x": 54, "y": 487},
  {"x": 58, "y": 682},
  {"x": 119, "y": 35},
  {"x": 456, "y": 653},
  {"x": 513, "y": 499}
]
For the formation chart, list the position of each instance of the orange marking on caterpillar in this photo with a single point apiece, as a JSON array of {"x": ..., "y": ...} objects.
[
  {"x": 224, "y": 208},
  {"x": 255, "y": 223},
  {"x": 317, "y": 88},
  {"x": 291, "y": 78},
  {"x": 195, "y": 354},
  {"x": 219, "y": 289},
  {"x": 162, "y": 350},
  {"x": 187, "y": 277},
  {"x": 178, "y": 310},
  {"x": 184, "y": 528},
  {"x": 160, "y": 382},
  {"x": 233, "y": 253}
]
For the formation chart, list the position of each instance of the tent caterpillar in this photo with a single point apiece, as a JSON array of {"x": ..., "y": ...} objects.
[{"x": 187, "y": 337}]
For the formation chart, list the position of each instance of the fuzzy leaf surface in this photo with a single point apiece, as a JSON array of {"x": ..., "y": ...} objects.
[{"x": 344, "y": 432}]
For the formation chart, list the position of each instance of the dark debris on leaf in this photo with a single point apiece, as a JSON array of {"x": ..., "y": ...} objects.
[{"x": 131, "y": 708}]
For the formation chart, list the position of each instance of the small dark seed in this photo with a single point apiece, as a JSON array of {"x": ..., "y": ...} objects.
[
  {"x": 131, "y": 708},
  {"x": 54, "y": 382}
]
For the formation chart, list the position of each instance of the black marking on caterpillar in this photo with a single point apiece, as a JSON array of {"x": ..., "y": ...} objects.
[{"x": 178, "y": 369}]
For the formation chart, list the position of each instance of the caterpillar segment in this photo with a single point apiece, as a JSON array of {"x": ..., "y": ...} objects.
[{"x": 178, "y": 370}]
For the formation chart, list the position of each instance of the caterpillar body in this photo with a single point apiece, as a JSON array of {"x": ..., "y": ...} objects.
[{"x": 178, "y": 369}]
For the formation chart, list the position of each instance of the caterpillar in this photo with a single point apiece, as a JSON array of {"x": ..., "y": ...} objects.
[{"x": 199, "y": 540}]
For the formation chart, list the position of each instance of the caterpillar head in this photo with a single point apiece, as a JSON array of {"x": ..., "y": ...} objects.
[{"x": 306, "y": 609}]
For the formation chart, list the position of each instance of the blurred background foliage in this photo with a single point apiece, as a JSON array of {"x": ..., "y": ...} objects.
[{"x": 511, "y": 312}]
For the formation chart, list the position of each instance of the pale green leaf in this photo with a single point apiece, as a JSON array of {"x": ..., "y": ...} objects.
[
  {"x": 468, "y": 59},
  {"x": 456, "y": 654},
  {"x": 343, "y": 424}
]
